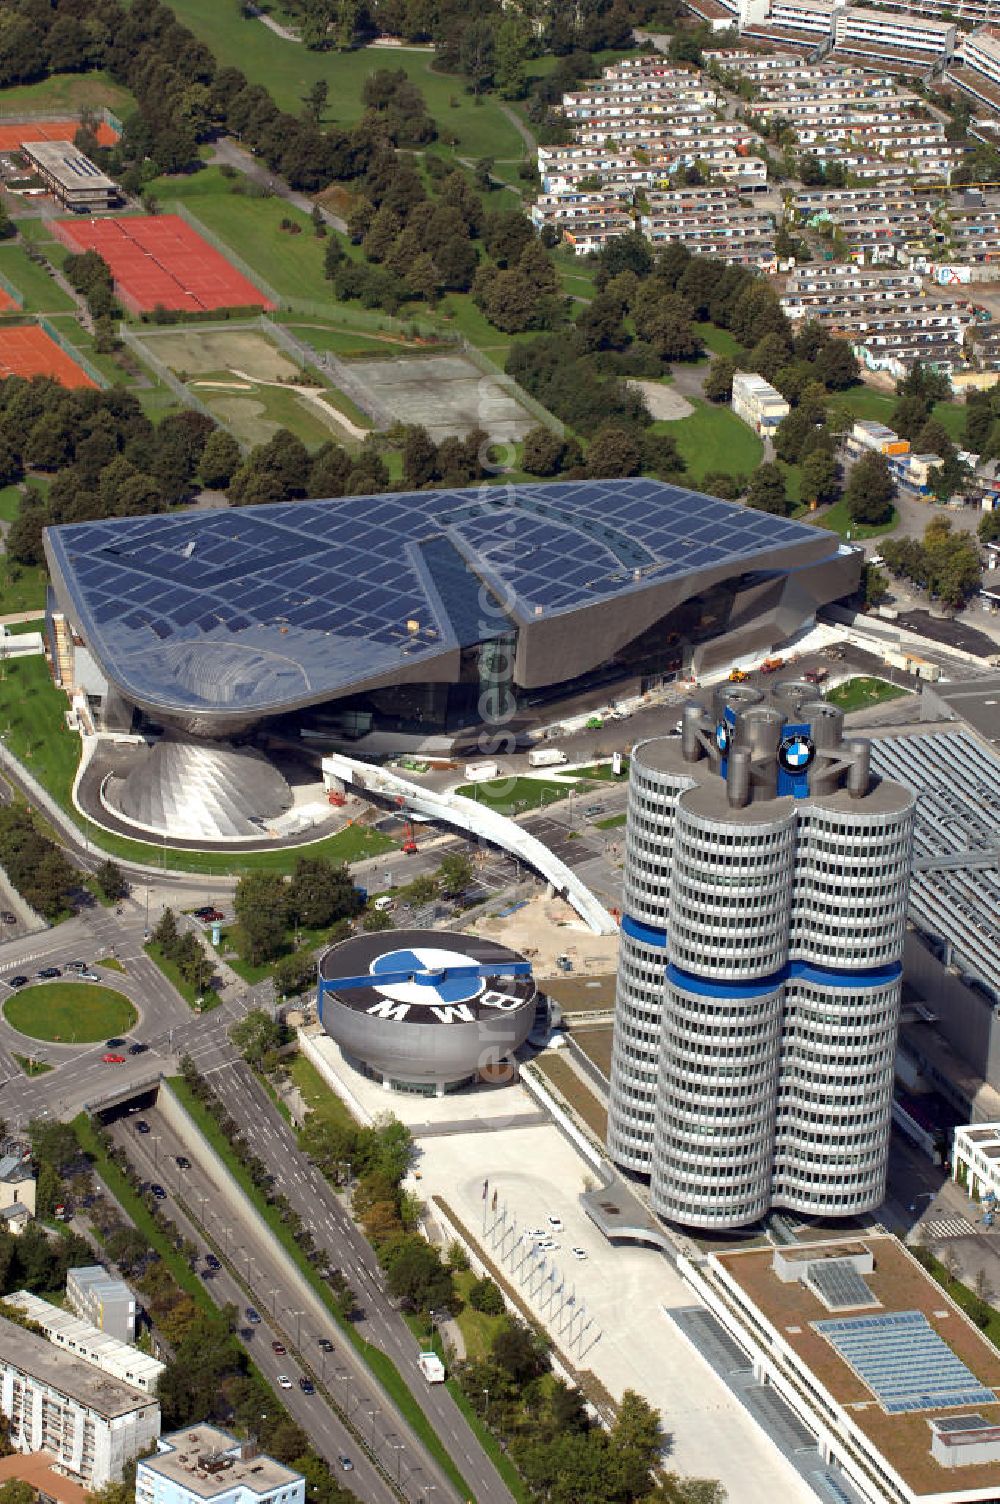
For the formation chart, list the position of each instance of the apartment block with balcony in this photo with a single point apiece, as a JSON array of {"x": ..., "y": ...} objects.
[
  {"x": 205, "y": 1465},
  {"x": 758, "y": 403}
]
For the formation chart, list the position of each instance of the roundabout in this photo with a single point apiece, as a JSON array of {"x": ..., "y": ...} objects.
[{"x": 69, "y": 1012}]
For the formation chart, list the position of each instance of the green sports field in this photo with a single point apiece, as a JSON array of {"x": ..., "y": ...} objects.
[{"x": 69, "y": 1012}]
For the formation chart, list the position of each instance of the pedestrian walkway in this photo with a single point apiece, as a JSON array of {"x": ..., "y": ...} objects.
[{"x": 949, "y": 1227}]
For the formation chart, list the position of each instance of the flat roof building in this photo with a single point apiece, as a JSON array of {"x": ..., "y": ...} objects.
[
  {"x": 74, "y": 179},
  {"x": 75, "y": 1335},
  {"x": 103, "y": 1299},
  {"x": 205, "y": 1465},
  {"x": 57, "y": 1402},
  {"x": 17, "y": 1176},
  {"x": 873, "y": 1357},
  {"x": 758, "y": 403}
]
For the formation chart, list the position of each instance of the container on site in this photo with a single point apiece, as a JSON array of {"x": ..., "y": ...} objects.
[
  {"x": 546, "y": 757},
  {"x": 481, "y": 772}
]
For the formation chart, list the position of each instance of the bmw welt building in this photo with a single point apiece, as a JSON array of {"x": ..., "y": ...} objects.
[
  {"x": 764, "y": 907},
  {"x": 426, "y": 1011}
]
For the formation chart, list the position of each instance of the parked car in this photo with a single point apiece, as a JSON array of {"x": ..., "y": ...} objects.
[
  {"x": 16, "y": 981},
  {"x": 555, "y": 1223},
  {"x": 111, "y": 1058},
  {"x": 579, "y": 1253},
  {"x": 279, "y": 1348},
  {"x": 158, "y": 1191},
  {"x": 209, "y": 916},
  {"x": 284, "y": 1382}
]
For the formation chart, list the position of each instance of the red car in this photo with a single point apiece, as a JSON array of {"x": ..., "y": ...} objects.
[
  {"x": 113, "y": 1059},
  {"x": 279, "y": 1348}
]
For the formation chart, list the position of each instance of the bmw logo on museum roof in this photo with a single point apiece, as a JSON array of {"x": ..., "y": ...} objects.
[
  {"x": 722, "y": 737},
  {"x": 432, "y": 976}
]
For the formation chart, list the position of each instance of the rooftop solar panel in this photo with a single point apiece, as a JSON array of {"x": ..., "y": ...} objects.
[
  {"x": 904, "y": 1362},
  {"x": 838, "y": 1284},
  {"x": 206, "y": 576}
]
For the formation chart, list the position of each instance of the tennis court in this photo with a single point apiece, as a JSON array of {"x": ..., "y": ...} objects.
[
  {"x": 159, "y": 260},
  {"x": 14, "y": 133},
  {"x": 26, "y": 350},
  {"x": 6, "y": 302}
]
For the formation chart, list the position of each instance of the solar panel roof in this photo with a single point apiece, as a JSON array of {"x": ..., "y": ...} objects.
[
  {"x": 838, "y": 1284},
  {"x": 904, "y": 1362},
  {"x": 304, "y": 599}
]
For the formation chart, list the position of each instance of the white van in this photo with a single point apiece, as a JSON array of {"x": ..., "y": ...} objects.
[{"x": 383, "y": 904}]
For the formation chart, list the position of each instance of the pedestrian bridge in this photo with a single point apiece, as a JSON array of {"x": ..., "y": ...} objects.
[{"x": 475, "y": 819}]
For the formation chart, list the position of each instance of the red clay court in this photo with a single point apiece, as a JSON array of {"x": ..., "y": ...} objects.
[
  {"x": 26, "y": 350},
  {"x": 160, "y": 260},
  {"x": 6, "y": 301},
  {"x": 13, "y": 133}
]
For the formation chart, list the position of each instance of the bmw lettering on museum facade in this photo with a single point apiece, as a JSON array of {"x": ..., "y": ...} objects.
[{"x": 426, "y": 1011}]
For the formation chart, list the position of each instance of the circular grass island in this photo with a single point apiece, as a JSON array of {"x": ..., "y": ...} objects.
[{"x": 69, "y": 1012}]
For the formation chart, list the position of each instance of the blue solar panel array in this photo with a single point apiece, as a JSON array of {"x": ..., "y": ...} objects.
[
  {"x": 342, "y": 590},
  {"x": 904, "y": 1362}
]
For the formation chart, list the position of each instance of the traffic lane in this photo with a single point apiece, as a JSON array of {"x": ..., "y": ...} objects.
[
  {"x": 252, "y": 1254},
  {"x": 324, "y": 1427},
  {"x": 333, "y": 1229}
]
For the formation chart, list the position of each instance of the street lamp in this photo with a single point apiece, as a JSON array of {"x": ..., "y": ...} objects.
[
  {"x": 375, "y": 1410},
  {"x": 298, "y": 1326}
]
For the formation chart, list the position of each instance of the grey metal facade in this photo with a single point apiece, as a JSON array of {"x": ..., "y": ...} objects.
[{"x": 759, "y": 978}]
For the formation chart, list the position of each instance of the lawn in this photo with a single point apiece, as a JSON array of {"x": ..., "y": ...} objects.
[
  {"x": 558, "y": 1071},
  {"x": 838, "y": 520},
  {"x": 317, "y": 1095},
  {"x": 292, "y": 264},
  {"x": 605, "y": 771},
  {"x": 69, "y": 1012},
  {"x": 254, "y": 416},
  {"x": 32, "y": 712},
  {"x": 611, "y": 823},
  {"x": 866, "y": 402},
  {"x": 509, "y": 796},
  {"x": 67, "y": 94},
  {"x": 22, "y": 588},
  {"x": 32, "y": 1067},
  {"x": 382, "y": 1367},
  {"x": 346, "y": 342},
  {"x": 80, "y": 339},
  {"x": 10, "y": 503},
  {"x": 287, "y": 70},
  {"x": 198, "y": 1002},
  {"x": 713, "y": 438},
  {"x": 39, "y": 292},
  {"x": 859, "y": 693},
  {"x": 719, "y": 341}
]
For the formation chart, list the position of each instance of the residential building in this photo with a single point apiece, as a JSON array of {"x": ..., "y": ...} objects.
[
  {"x": 17, "y": 1175},
  {"x": 758, "y": 403},
  {"x": 71, "y": 177},
  {"x": 759, "y": 979},
  {"x": 54, "y": 1401},
  {"x": 204, "y": 1465},
  {"x": 40, "y": 1471},
  {"x": 975, "y": 68},
  {"x": 909, "y": 42},
  {"x": 103, "y": 1299},
  {"x": 84, "y": 1340},
  {"x": 856, "y": 1346},
  {"x": 975, "y": 1160}
]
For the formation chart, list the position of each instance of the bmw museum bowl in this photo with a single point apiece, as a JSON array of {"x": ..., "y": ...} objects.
[{"x": 426, "y": 1011}]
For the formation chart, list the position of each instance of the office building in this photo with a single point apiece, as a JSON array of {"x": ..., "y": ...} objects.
[
  {"x": 84, "y": 1340},
  {"x": 855, "y": 1347},
  {"x": 203, "y": 1465},
  {"x": 103, "y": 1299},
  {"x": 759, "y": 977},
  {"x": 758, "y": 403},
  {"x": 93, "y": 1424}
]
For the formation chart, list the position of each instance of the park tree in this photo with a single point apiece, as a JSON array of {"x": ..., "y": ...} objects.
[
  {"x": 455, "y": 873},
  {"x": 870, "y": 490},
  {"x": 294, "y": 973},
  {"x": 256, "y": 1036},
  {"x": 769, "y": 355},
  {"x": 419, "y": 457},
  {"x": 718, "y": 384},
  {"x": 543, "y": 451},
  {"x": 111, "y": 880},
  {"x": 321, "y": 892},
  {"x": 614, "y": 451},
  {"x": 791, "y": 435},
  {"x": 314, "y": 100},
  {"x": 766, "y": 491},
  {"x": 819, "y": 481},
  {"x": 219, "y": 460},
  {"x": 989, "y": 527},
  {"x": 24, "y": 537},
  {"x": 663, "y": 320},
  {"x": 261, "y": 907},
  {"x": 837, "y": 365},
  {"x": 874, "y": 584},
  {"x": 166, "y": 932}
]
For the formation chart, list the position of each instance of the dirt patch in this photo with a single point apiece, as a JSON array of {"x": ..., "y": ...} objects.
[
  {"x": 663, "y": 402},
  {"x": 245, "y": 417},
  {"x": 195, "y": 351}
]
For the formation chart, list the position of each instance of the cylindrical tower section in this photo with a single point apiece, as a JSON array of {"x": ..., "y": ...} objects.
[
  {"x": 731, "y": 887},
  {"x": 716, "y": 1102},
  {"x": 656, "y": 778}
]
